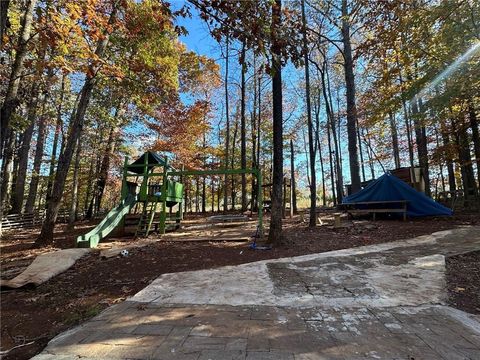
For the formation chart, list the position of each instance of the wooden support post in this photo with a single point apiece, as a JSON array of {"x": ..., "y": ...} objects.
[
  {"x": 163, "y": 198},
  {"x": 255, "y": 172},
  {"x": 124, "y": 179},
  {"x": 152, "y": 210},
  {"x": 143, "y": 187}
]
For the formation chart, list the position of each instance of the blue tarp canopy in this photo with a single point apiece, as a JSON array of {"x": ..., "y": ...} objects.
[{"x": 390, "y": 188}]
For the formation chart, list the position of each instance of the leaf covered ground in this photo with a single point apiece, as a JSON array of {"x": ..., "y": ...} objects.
[{"x": 35, "y": 315}]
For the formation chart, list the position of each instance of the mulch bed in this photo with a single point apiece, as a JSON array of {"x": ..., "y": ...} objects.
[
  {"x": 36, "y": 315},
  {"x": 463, "y": 281}
]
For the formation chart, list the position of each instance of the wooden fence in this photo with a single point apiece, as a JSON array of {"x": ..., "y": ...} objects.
[{"x": 21, "y": 221}]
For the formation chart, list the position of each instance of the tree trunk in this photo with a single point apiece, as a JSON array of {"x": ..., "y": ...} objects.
[
  {"x": 243, "y": 135},
  {"x": 293, "y": 183},
  {"x": 90, "y": 186},
  {"x": 311, "y": 145},
  {"x": 317, "y": 108},
  {"x": 92, "y": 208},
  {"x": 421, "y": 137},
  {"x": 58, "y": 130},
  {"x": 7, "y": 169},
  {"x": 234, "y": 143},
  {"x": 322, "y": 170},
  {"x": 329, "y": 139},
  {"x": 360, "y": 150},
  {"x": 204, "y": 195},
  {"x": 475, "y": 135},
  {"x": 37, "y": 161},
  {"x": 227, "y": 131},
  {"x": 332, "y": 168},
  {"x": 16, "y": 147},
  {"x": 72, "y": 216},
  {"x": 307, "y": 158},
  {"x": 440, "y": 163},
  {"x": 259, "y": 130},
  {"x": 204, "y": 179},
  {"x": 212, "y": 184},
  {"x": 371, "y": 155},
  {"x": 11, "y": 101},
  {"x": 4, "y": 174},
  {"x": 103, "y": 175},
  {"x": 197, "y": 194},
  {"x": 338, "y": 162},
  {"x": 107, "y": 156},
  {"x": 331, "y": 123},
  {"x": 19, "y": 192},
  {"x": 338, "y": 145},
  {"x": 351, "y": 106},
  {"x": 408, "y": 126},
  {"x": 406, "y": 117},
  {"x": 449, "y": 159},
  {"x": 219, "y": 192},
  {"x": 190, "y": 205},
  {"x": 4, "y": 23},
  {"x": 393, "y": 130},
  {"x": 275, "y": 232},
  {"x": 253, "y": 134},
  {"x": 76, "y": 126},
  {"x": 465, "y": 159}
]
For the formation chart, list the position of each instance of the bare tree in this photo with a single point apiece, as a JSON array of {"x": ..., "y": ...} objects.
[
  {"x": 76, "y": 125},
  {"x": 243, "y": 135},
  {"x": 10, "y": 101},
  {"x": 275, "y": 233},
  {"x": 311, "y": 144},
  {"x": 227, "y": 130}
]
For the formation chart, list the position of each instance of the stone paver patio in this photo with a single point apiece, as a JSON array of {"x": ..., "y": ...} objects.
[{"x": 375, "y": 302}]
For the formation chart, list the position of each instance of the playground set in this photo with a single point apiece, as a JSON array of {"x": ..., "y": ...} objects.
[{"x": 153, "y": 188}]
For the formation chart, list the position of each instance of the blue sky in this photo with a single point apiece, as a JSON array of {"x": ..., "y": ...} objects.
[
  {"x": 198, "y": 38},
  {"x": 200, "y": 41}
]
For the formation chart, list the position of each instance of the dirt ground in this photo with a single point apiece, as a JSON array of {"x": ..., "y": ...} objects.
[
  {"x": 463, "y": 281},
  {"x": 31, "y": 317}
]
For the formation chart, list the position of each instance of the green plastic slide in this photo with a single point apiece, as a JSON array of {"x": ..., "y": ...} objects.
[{"x": 110, "y": 222}]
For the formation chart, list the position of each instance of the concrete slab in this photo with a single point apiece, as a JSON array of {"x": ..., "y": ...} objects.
[
  {"x": 350, "y": 277},
  {"x": 377, "y": 302}
]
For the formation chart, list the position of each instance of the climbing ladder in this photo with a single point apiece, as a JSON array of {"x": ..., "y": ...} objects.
[{"x": 147, "y": 218}]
